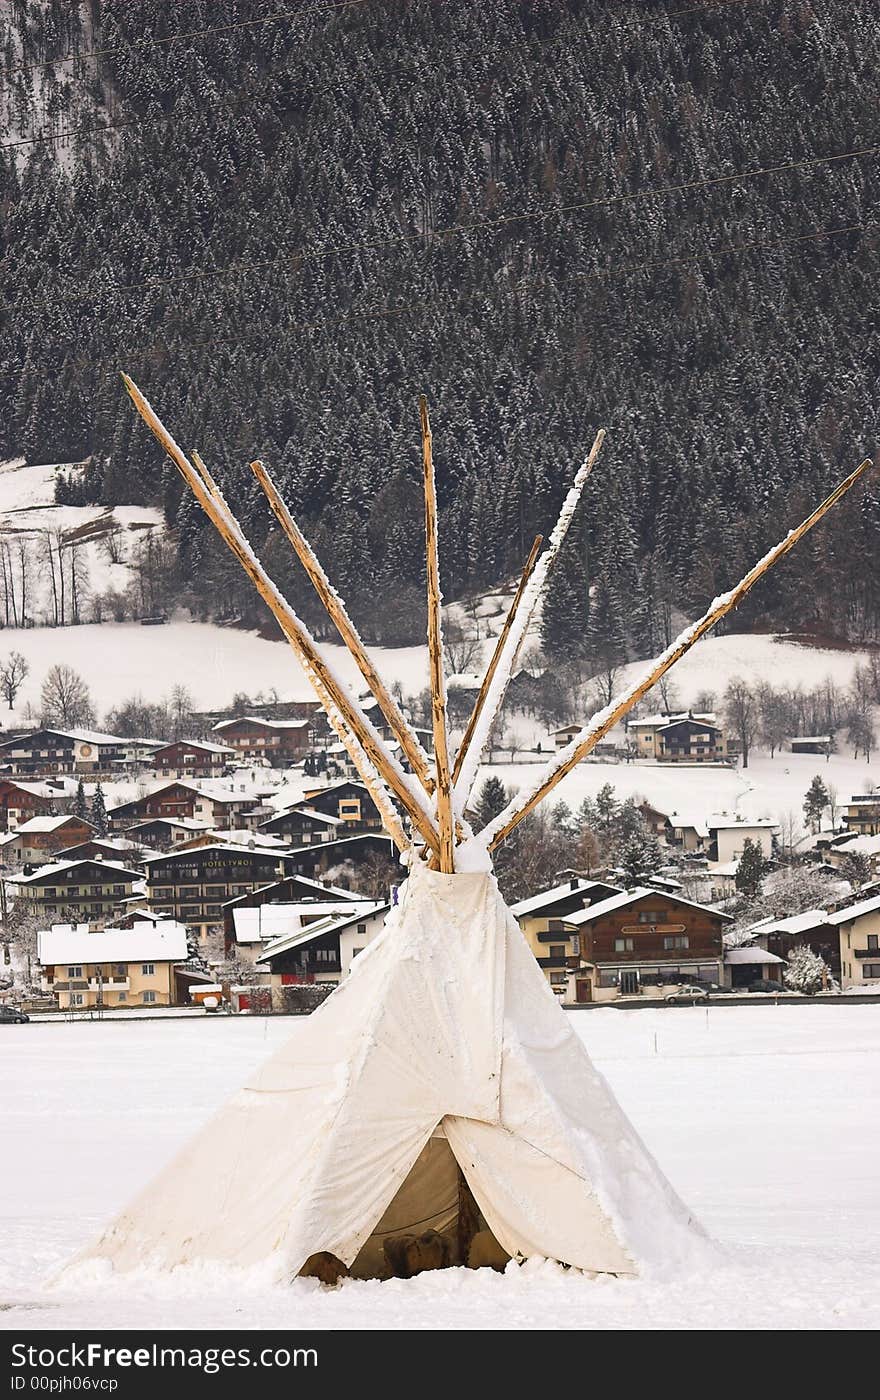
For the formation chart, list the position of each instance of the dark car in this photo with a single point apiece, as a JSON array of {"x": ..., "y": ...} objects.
[
  {"x": 9, "y": 1015},
  {"x": 762, "y": 985}
]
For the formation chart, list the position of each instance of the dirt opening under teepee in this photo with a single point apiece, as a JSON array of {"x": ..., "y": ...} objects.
[{"x": 433, "y": 1222}]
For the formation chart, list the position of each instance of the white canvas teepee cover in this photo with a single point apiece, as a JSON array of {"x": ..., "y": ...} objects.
[{"x": 446, "y": 1019}]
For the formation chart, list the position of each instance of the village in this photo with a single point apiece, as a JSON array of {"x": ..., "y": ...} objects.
[{"x": 249, "y": 868}]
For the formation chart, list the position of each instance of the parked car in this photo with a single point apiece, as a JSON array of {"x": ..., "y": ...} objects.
[
  {"x": 10, "y": 1014},
  {"x": 686, "y": 995},
  {"x": 762, "y": 985}
]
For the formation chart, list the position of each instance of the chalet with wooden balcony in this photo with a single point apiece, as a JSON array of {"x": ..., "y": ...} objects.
[
  {"x": 678, "y": 738},
  {"x": 862, "y": 814},
  {"x": 193, "y": 758},
  {"x": 858, "y": 930},
  {"x": 80, "y": 751},
  {"x": 39, "y": 840},
  {"x": 641, "y": 942},
  {"x": 544, "y": 920},
  {"x": 83, "y": 891},
  {"x": 19, "y": 801},
  {"x": 278, "y": 742}
]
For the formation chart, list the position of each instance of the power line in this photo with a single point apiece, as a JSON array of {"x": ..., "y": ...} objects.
[
  {"x": 281, "y": 17},
  {"x": 376, "y": 313},
  {"x": 305, "y": 255},
  {"x": 190, "y": 34}
]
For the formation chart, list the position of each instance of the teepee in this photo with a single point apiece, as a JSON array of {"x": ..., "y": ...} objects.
[{"x": 440, "y": 1088}]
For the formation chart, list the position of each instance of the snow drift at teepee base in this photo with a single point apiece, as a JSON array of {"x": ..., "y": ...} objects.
[{"x": 445, "y": 1047}]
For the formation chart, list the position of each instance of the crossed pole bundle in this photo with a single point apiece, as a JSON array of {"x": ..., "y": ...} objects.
[{"x": 434, "y": 798}]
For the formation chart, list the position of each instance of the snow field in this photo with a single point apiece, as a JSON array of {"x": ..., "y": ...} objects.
[{"x": 766, "y": 1119}]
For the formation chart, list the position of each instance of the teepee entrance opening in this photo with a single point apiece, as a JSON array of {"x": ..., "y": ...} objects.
[{"x": 433, "y": 1222}]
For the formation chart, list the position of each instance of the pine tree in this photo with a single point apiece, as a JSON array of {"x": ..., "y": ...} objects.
[
  {"x": 98, "y": 812},
  {"x": 815, "y": 803},
  {"x": 750, "y": 870},
  {"x": 80, "y": 805},
  {"x": 492, "y": 798}
]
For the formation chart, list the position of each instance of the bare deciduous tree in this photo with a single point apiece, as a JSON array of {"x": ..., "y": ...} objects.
[
  {"x": 741, "y": 713},
  {"x": 65, "y": 698},
  {"x": 13, "y": 672}
]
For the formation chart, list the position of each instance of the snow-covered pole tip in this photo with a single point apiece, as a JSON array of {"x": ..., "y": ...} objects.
[
  {"x": 497, "y": 689},
  {"x": 337, "y": 611},
  {"x": 584, "y": 742},
  {"x": 435, "y": 653},
  {"x": 331, "y": 691},
  {"x": 496, "y": 657}
]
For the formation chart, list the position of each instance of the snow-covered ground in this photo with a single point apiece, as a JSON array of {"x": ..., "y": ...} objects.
[
  {"x": 118, "y": 660},
  {"x": 766, "y": 1119},
  {"x": 769, "y": 787}
]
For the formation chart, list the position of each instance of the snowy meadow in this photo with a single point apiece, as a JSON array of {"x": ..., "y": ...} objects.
[{"x": 766, "y": 1119}]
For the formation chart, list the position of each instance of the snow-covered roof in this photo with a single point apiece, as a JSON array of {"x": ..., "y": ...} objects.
[
  {"x": 723, "y": 867},
  {"x": 536, "y": 902},
  {"x": 863, "y": 845},
  {"x": 184, "y": 823},
  {"x": 810, "y": 739},
  {"x": 659, "y": 720},
  {"x": 620, "y": 901},
  {"x": 147, "y": 942},
  {"x": 222, "y": 749},
  {"x": 253, "y": 840},
  {"x": 45, "y": 823},
  {"x": 722, "y": 821},
  {"x": 55, "y": 868},
  {"x": 233, "y": 847},
  {"x": 301, "y": 809},
  {"x": 265, "y": 723},
  {"x": 794, "y": 923},
  {"x": 268, "y": 922},
  {"x": 854, "y": 911},
  {"x": 336, "y": 923},
  {"x": 463, "y": 680},
  {"x": 758, "y": 956}
]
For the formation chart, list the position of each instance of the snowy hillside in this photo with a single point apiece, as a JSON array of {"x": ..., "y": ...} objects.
[{"x": 56, "y": 559}]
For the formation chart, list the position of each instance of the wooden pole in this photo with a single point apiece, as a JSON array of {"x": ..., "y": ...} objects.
[
  {"x": 409, "y": 743},
  {"x": 496, "y": 657},
  {"x": 367, "y": 771},
  {"x": 501, "y": 827},
  {"x": 435, "y": 653},
  {"x": 497, "y": 688},
  {"x": 331, "y": 693}
]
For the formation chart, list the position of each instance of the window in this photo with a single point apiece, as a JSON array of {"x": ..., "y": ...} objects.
[
  {"x": 215, "y": 891},
  {"x": 305, "y": 837},
  {"x": 76, "y": 999},
  {"x": 870, "y": 970},
  {"x": 624, "y": 945},
  {"x": 74, "y": 972},
  {"x": 559, "y": 979},
  {"x": 652, "y": 916},
  {"x": 873, "y": 945},
  {"x": 355, "y": 951},
  {"x": 122, "y": 996},
  {"x": 555, "y": 926},
  {"x": 676, "y": 940},
  {"x": 149, "y": 998},
  {"x": 576, "y": 944},
  {"x": 148, "y": 969}
]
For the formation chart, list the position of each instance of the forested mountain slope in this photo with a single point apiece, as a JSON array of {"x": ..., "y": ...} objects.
[{"x": 292, "y": 227}]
